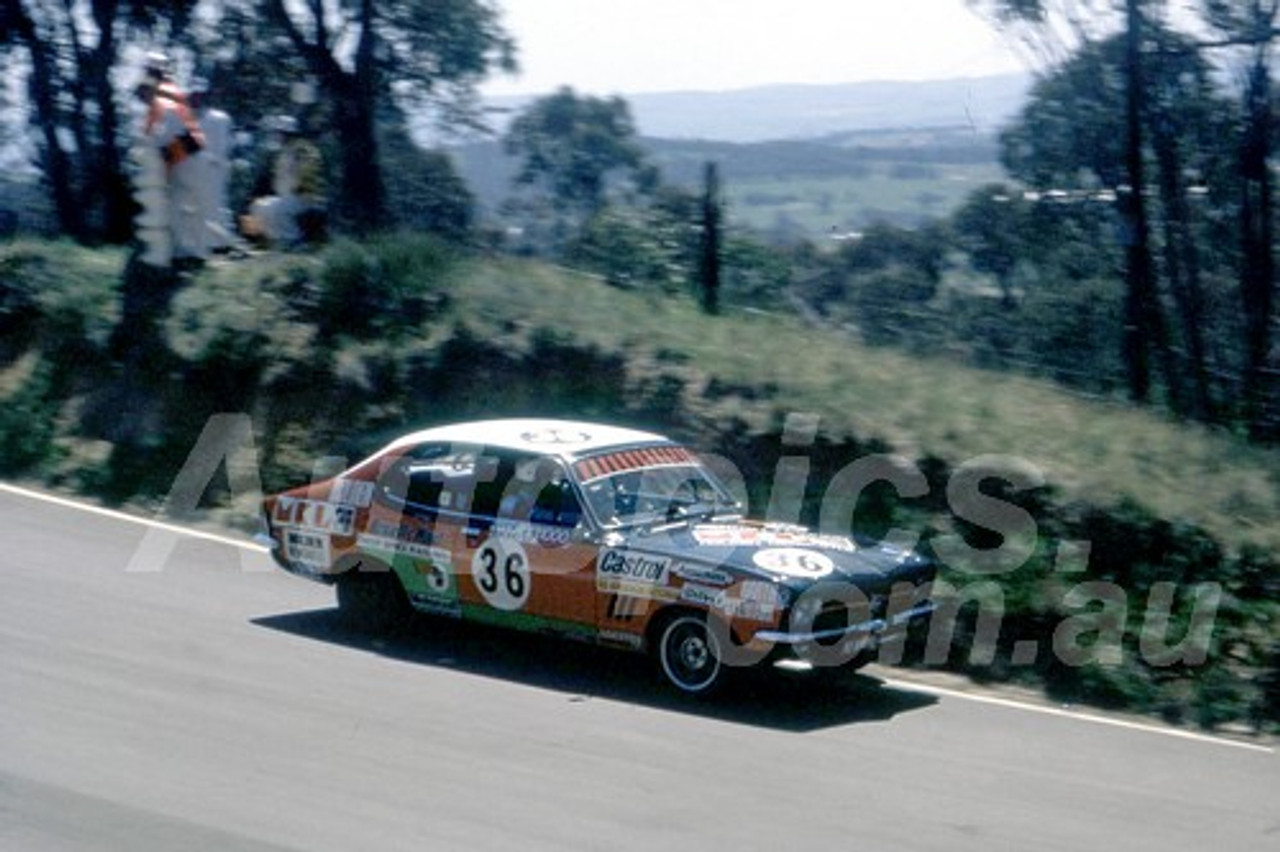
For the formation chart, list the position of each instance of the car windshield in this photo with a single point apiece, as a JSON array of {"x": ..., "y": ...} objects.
[{"x": 652, "y": 495}]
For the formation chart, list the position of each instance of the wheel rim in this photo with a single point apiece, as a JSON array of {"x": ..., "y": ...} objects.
[{"x": 689, "y": 652}]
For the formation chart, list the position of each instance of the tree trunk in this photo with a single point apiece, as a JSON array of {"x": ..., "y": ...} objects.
[
  {"x": 58, "y": 169},
  {"x": 1183, "y": 265},
  {"x": 361, "y": 191},
  {"x": 1257, "y": 274},
  {"x": 112, "y": 184},
  {"x": 361, "y": 201},
  {"x": 1142, "y": 310}
]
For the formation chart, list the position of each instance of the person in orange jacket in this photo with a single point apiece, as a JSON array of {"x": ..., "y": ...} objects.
[{"x": 170, "y": 128}]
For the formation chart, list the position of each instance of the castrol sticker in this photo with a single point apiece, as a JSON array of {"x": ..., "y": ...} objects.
[
  {"x": 637, "y": 575},
  {"x": 794, "y": 562}
]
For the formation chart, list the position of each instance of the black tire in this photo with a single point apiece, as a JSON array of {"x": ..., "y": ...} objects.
[
  {"x": 373, "y": 601},
  {"x": 689, "y": 654}
]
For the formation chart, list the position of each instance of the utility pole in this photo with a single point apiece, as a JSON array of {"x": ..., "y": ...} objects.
[{"x": 709, "y": 256}]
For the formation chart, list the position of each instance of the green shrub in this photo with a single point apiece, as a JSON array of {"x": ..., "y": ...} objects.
[
  {"x": 59, "y": 294},
  {"x": 386, "y": 287},
  {"x": 28, "y": 422}
]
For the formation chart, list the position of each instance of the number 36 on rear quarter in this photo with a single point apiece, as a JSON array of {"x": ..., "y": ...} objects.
[{"x": 600, "y": 533}]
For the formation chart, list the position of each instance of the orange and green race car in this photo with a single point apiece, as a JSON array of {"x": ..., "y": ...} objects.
[{"x": 610, "y": 535}]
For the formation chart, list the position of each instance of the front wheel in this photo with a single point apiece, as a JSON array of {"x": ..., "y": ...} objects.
[{"x": 690, "y": 654}]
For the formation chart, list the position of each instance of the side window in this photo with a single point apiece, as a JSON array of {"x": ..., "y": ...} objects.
[
  {"x": 393, "y": 483},
  {"x": 430, "y": 476},
  {"x": 490, "y": 476},
  {"x": 483, "y": 485},
  {"x": 424, "y": 489},
  {"x": 556, "y": 505},
  {"x": 537, "y": 490}
]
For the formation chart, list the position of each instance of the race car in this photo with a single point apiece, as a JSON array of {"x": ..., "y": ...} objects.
[{"x": 607, "y": 534}]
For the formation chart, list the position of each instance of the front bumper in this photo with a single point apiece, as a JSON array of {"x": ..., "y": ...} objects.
[{"x": 868, "y": 629}]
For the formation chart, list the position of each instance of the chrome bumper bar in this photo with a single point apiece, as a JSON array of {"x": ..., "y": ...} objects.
[{"x": 873, "y": 627}]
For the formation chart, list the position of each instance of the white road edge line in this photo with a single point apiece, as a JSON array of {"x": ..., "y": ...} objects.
[
  {"x": 897, "y": 684},
  {"x": 1079, "y": 716},
  {"x": 131, "y": 519}
]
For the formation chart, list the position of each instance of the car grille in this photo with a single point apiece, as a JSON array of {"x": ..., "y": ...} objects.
[{"x": 839, "y": 615}]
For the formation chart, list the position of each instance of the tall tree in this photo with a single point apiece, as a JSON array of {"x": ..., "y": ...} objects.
[
  {"x": 1253, "y": 26},
  {"x": 362, "y": 51},
  {"x": 1134, "y": 109},
  {"x": 72, "y": 50},
  {"x": 572, "y": 146},
  {"x": 1144, "y": 320}
]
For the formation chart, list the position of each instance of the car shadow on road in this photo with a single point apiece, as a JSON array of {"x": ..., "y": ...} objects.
[{"x": 768, "y": 698}]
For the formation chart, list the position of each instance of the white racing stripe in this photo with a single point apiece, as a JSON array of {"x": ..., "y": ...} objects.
[
  {"x": 131, "y": 519},
  {"x": 1076, "y": 715},
  {"x": 940, "y": 692}
]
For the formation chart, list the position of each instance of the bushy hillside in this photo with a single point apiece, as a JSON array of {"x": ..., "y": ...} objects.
[{"x": 332, "y": 353}]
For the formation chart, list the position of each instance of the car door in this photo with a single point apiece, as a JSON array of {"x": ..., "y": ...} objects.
[
  {"x": 404, "y": 529},
  {"x": 522, "y": 543}
]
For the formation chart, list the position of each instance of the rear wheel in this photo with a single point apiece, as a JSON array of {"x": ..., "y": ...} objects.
[
  {"x": 689, "y": 654},
  {"x": 373, "y": 600}
]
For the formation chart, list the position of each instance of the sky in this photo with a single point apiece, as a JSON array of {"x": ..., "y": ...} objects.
[{"x": 605, "y": 47}]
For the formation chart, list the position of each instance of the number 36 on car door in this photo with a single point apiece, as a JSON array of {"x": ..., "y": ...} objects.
[{"x": 500, "y": 568}]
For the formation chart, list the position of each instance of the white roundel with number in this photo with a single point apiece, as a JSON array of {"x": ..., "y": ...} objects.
[
  {"x": 500, "y": 570},
  {"x": 794, "y": 562}
]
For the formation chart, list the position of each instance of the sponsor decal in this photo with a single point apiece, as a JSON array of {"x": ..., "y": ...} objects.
[
  {"x": 704, "y": 575},
  {"x": 756, "y": 601},
  {"x": 352, "y": 492},
  {"x": 769, "y": 536},
  {"x": 620, "y": 637},
  {"x": 402, "y": 532},
  {"x": 635, "y": 575},
  {"x": 619, "y": 564},
  {"x": 526, "y": 533},
  {"x": 702, "y": 596},
  {"x": 315, "y": 515},
  {"x": 403, "y": 547},
  {"x": 794, "y": 562},
  {"x": 307, "y": 549},
  {"x": 436, "y": 605},
  {"x": 556, "y": 436},
  {"x": 626, "y": 608},
  {"x": 636, "y": 589},
  {"x": 759, "y": 591},
  {"x": 433, "y": 565}
]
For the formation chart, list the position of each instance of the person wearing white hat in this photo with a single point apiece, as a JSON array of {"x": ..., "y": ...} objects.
[
  {"x": 171, "y": 226},
  {"x": 287, "y": 217}
]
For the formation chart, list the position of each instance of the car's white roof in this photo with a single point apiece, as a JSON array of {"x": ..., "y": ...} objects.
[{"x": 563, "y": 438}]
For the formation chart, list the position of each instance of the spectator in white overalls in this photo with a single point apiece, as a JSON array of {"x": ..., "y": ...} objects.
[
  {"x": 213, "y": 165},
  {"x": 171, "y": 226}
]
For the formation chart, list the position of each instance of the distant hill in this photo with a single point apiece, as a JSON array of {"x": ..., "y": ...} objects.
[
  {"x": 789, "y": 112},
  {"x": 802, "y": 188}
]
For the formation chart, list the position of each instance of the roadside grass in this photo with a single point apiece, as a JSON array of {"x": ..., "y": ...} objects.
[{"x": 1088, "y": 448}]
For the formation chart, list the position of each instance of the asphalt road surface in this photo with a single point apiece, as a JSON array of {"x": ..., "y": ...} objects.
[{"x": 160, "y": 692}]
